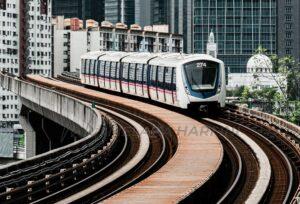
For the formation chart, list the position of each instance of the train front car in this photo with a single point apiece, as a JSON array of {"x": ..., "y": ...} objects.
[{"x": 204, "y": 82}]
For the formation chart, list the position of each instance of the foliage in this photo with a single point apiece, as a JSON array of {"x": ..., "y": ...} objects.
[
  {"x": 246, "y": 95},
  {"x": 296, "y": 115},
  {"x": 288, "y": 96},
  {"x": 236, "y": 92}
]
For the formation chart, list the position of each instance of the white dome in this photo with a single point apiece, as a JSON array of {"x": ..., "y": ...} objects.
[{"x": 259, "y": 63}]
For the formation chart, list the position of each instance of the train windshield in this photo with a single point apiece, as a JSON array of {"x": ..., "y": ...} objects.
[{"x": 202, "y": 75}]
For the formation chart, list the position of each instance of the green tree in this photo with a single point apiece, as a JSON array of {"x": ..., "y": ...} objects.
[{"x": 246, "y": 95}]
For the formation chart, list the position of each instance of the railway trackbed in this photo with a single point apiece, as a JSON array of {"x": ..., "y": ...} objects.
[
  {"x": 263, "y": 155},
  {"x": 160, "y": 150},
  {"x": 278, "y": 145}
]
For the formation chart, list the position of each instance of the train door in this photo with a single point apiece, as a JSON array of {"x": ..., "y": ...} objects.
[
  {"x": 160, "y": 84},
  {"x": 113, "y": 72},
  {"x": 173, "y": 87},
  {"x": 101, "y": 74},
  {"x": 107, "y": 75},
  {"x": 153, "y": 83},
  {"x": 97, "y": 72},
  {"x": 92, "y": 74},
  {"x": 139, "y": 80},
  {"x": 125, "y": 73},
  {"x": 145, "y": 81},
  {"x": 88, "y": 81},
  {"x": 118, "y": 79},
  {"x": 168, "y": 85},
  {"x": 132, "y": 78},
  {"x": 83, "y": 71}
]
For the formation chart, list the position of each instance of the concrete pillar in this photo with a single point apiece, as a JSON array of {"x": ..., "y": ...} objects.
[{"x": 30, "y": 137}]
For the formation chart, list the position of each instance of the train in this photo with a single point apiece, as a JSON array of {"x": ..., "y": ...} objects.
[{"x": 176, "y": 79}]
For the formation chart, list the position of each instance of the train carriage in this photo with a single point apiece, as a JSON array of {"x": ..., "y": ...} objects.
[
  {"x": 88, "y": 64},
  {"x": 176, "y": 79},
  {"x": 109, "y": 70}
]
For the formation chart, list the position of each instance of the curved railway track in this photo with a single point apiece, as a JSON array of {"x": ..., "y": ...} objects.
[
  {"x": 160, "y": 151},
  {"x": 118, "y": 150},
  {"x": 280, "y": 146},
  {"x": 282, "y": 152},
  {"x": 243, "y": 181},
  {"x": 31, "y": 180}
]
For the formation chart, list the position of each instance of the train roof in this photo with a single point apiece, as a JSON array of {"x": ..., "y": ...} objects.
[
  {"x": 93, "y": 55},
  {"x": 158, "y": 59},
  {"x": 114, "y": 56},
  {"x": 174, "y": 59},
  {"x": 142, "y": 57}
]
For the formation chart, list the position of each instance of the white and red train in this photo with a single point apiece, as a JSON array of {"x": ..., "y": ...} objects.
[{"x": 176, "y": 79}]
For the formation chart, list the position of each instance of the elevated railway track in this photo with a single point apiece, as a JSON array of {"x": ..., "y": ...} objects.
[{"x": 260, "y": 161}]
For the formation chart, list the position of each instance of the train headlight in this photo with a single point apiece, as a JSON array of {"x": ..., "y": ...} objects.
[
  {"x": 187, "y": 91},
  {"x": 219, "y": 88}
]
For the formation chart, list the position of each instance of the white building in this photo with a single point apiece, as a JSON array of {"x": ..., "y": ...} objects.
[
  {"x": 260, "y": 75},
  {"x": 212, "y": 47},
  {"x": 70, "y": 45},
  {"x": 38, "y": 52}
]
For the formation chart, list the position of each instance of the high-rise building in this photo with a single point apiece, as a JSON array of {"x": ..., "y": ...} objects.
[
  {"x": 123, "y": 11},
  {"x": 181, "y": 21},
  {"x": 240, "y": 27},
  {"x": 289, "y": 28},
  {"x": 24, "y": 46},
  {"x": 83, "y": 9},
  {"x": 142, "y": 12},
  {"x": 160, "y": 11}
]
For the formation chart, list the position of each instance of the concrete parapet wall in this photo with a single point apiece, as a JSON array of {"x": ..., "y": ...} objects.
[
  {"x": 271, "y": 119},
  {"x": 75, "y": 115}
]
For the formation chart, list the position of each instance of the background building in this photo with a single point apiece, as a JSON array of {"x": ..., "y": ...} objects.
[
  {"x": 240, "y": 27},
  {"x": 82, "y": 9},
  {"x": 259, "y": 75},
  {"x": 289, "y": 28},
  {"x": 160, "y": 12},
  {"x": 13, "y": 57},
  {"x": 108, "y": 37},
  {"x": 120, "y": 11},
  {"x": 181, "y": 21}
]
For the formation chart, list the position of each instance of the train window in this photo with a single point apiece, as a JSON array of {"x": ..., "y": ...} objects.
[
  {"x": 118, "y": 70},
  {"x": 107, "y": 69},
  {"x": 98, "y": 68},
  {"x": 153, "y": 81},
  {"x": 82, "y": 66},
  {"x": 132, "y": 72},
  {"x": 160, "y": 77},
  {"x": 173, "y": 79},
  {"x": 168, "y": 78},
  {"x": 102, "y": 65},
  {"x": 139, "y": 73},
  {"x": 145, "y": 73},
  {"x": 125, "y": 72},
  {"x": 113, "y": 70},
  {"x": 92, "y": 67},
  {"x": 88, "y": 66}
]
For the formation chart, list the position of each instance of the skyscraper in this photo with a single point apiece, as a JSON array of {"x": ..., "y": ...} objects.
[
  {"x": 240, "y": 27},
  {"x": 160, "y": 11},
  {"x": 23, "y": 48},
  {"x": 181, "y": 21},
  {"x": 289, "y": 28},
  {"x": 120, "y": 11},
  {"x": 83, "y": 9},
  {"x": 142, "y": 12}
]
